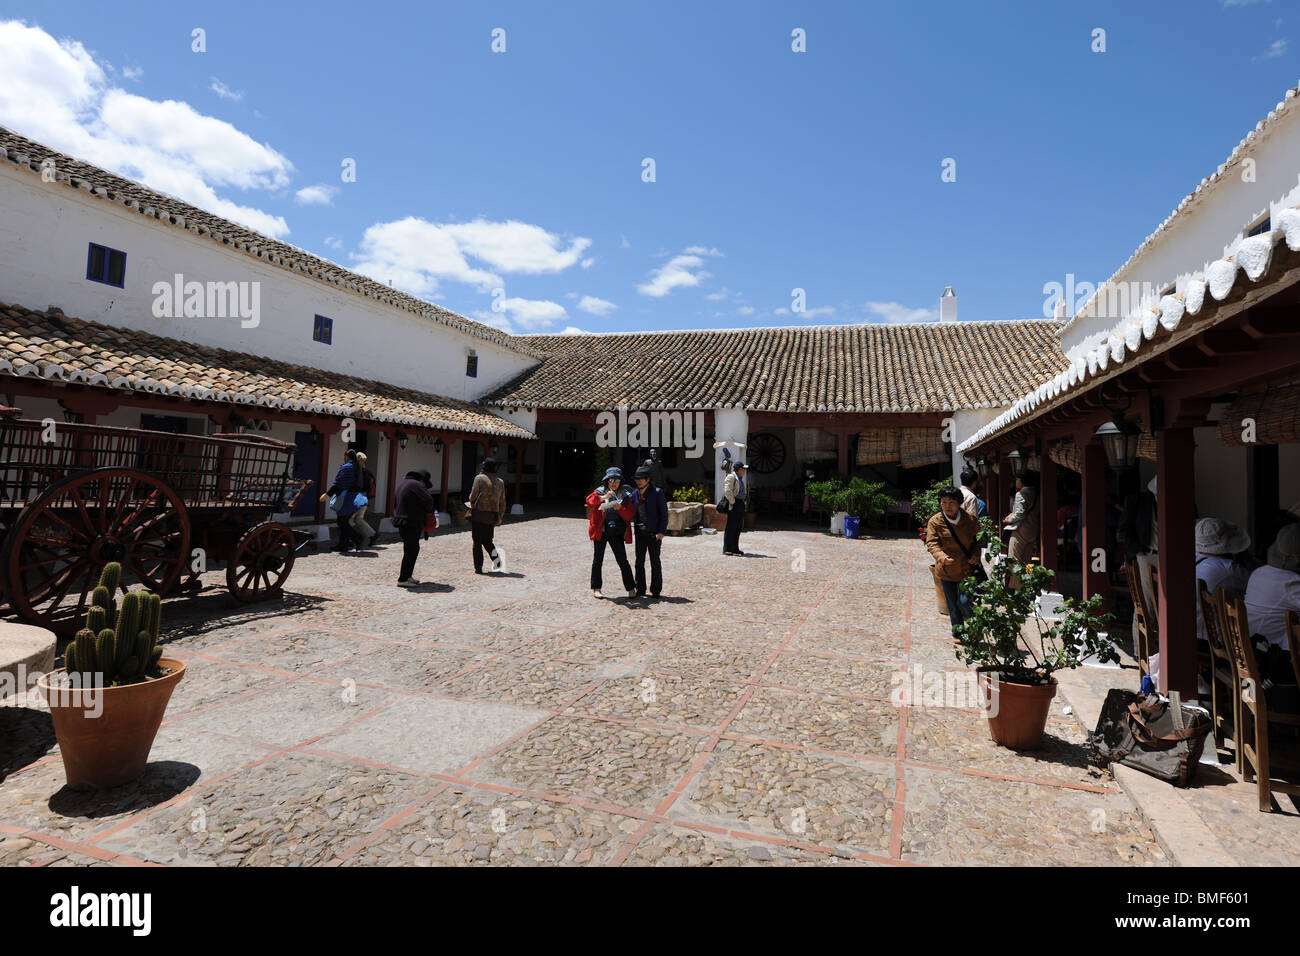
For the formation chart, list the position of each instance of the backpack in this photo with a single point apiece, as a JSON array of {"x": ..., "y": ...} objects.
[{"x": 1161, "y": 737}]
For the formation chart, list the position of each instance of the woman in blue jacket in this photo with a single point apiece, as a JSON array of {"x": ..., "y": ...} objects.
[{"x": 346, "y": 485}]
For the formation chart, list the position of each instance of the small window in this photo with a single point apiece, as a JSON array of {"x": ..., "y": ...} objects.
[
  {"x": 106, "y": 265},
  {"x": 323, "y": 331},
  {"x": 1264, "y": 225},
  {"x": 471, "y": 366}
]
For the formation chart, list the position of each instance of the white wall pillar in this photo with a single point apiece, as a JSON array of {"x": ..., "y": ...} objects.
[{"x": 729, "y": 424}]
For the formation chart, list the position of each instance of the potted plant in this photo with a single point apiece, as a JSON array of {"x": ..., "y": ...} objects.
[
  {"x": 687, "y": 507},
  {"x": 459, "y": 513},
  {"x": 825, "y": 496},
  {"x": 1015, "y": 674},
  {"x": 108, "y": 700},
  {"x": 863, "y": 501}
]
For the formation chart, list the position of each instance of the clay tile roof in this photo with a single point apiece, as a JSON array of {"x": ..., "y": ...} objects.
[
  {"x": 50, "y": 345},
  {"x": 846, "y": 368},
  {"x": 174, "y": 212}
]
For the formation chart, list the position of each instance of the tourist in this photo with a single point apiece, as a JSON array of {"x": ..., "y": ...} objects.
[
  {"x": 1219, "y": 545},
  {"x": 735, "y": 492},
  {"x": 950, "y": 536},
  {"x": 610, "y": 510},
  {"x": 412, "y": 505},
  {"x": 346, "y": 485},
  {"x": 970, "y": 482},
  {"x": 1138, "y": 533},
  {"x": 1273, "y": 590},
  {"x": 365, "y": 534},
  {"x": 487, "y": 504},
  {"x": 1023, "y": 521},
  {"x": 651, "y": 525}
]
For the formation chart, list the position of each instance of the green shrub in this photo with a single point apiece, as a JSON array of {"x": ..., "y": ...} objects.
[{"x": 691, "y": 493}]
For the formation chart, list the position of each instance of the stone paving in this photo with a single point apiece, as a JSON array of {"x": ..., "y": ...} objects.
[{"x": 512, "y": 719}]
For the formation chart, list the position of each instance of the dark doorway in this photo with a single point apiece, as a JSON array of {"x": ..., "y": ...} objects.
[
  {"x": 469, "y": 462},
  {"x": 569, "y": 468},
  {"x": 305, "y": 461}
]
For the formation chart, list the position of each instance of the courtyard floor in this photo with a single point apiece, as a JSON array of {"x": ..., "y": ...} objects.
[{"x": 511, "y": 718}]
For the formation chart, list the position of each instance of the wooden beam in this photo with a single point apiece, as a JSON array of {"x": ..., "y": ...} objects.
[
  {"x": 1047, "y": 512},
  {"x": 1176, "y": 598},
  {"x": 1092, "y": 523}
]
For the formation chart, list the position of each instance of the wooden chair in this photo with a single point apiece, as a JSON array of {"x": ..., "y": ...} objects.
[
  {"x": 1224, "y": 682},
  {"x": 1142, "y": 630},
  {"x": 1254, "y": 718}
]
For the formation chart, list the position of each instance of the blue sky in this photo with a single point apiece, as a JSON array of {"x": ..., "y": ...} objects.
[{"x": 522, "y": 171}]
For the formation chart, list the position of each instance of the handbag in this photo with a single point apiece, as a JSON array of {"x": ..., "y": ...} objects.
[
  {"x": 979, "y": 574},
  {"x": 1161, "y": 737},
  {"x": 360, "y": 501},
  {"x": 724, "y": 506}
]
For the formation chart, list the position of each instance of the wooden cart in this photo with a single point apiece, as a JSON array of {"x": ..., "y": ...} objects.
[{"x": 75, "y": 497}]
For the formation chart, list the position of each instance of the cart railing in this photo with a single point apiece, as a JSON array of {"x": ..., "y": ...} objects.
[{"x": 205, "y": 471}]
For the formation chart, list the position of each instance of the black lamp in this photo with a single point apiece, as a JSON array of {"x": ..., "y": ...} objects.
[
  {"x": 402, "y": 439},
  {"x": 1018, "y": 459},
  {"x": 437, "y": 445},
  {"x": 985, "y": 469},
  {"x": 1119, "y": 437}
]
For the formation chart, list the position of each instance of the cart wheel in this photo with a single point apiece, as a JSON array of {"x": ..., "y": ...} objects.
[
  {"x": 61, "y": 542},
  {"x": 261, "y": 562}
]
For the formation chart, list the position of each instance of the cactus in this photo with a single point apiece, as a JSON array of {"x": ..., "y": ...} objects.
[{"x": 121, "y": 644}]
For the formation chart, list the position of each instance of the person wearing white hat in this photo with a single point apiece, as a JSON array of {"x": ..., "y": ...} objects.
[
  {"x": 1273, "y": 590},
  {"x": 1218, "y": 544}
]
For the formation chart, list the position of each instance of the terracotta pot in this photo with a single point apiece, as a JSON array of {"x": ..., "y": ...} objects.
[
  {"x": 105, "y": 734},
  {"x": 714, "y": 520},
  {"x": 1017, "y": 713}
]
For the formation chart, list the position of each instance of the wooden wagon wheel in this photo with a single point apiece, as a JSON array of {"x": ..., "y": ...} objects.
[
  {"x": 60, "y": 543},
  {"x": 261, "y": 562},
  {"x": 766, "y": 453}
]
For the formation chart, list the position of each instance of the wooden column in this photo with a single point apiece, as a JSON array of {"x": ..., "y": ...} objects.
[
  {"x": 519, "y": 469},
  {"x": 1047, "y": 513},
  {"x": 1176, "y": 521},
  {"x": 997, "y": 486},
  {"x": 1092, "y": 524},
  {"x": 842, "y": 448},
  {"x": 323, "y": 470},
  {"x": 446, "y": 464},
  {"x": 391, "y": 500},
  {"x": 1263, "y": 496}
]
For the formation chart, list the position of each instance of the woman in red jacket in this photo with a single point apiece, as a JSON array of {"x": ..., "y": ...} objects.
[{"x": 610, "y": 509}]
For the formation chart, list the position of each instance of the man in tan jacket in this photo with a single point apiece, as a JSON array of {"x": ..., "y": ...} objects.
[
  {"x": 487, "y": 504},
  {"x": 950, "y": 538}
]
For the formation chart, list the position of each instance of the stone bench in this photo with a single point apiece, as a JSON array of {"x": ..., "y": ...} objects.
[{"x": 24, "y": 651}]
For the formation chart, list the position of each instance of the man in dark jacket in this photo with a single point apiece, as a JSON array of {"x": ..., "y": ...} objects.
[
  {"x": 651, "y": 523},
  {"x": 411, "y": 507}
]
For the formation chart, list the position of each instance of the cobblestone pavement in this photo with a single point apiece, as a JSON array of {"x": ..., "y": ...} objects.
[{"x": 511, "y": 718}]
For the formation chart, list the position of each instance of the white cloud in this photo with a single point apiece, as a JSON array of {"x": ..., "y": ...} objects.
[
  {"x": 132, "y": 72},
  {"x": 624, "y": 243},
  {"x": 56, "y": 93},
  {"x": 701, "y": 251},
  {"x": 717, "y": 296},
  {"x": 820, "y": 310},
  {"x": 318, "y": 195},
  {"x": 596, "y": 306},
  {"x": 897, "y": 314},
  {"x": 418, "y": 254},
  {"x": 333, "y": 243},
  {"x": 587, "y": 263},
  {"x": 574, "y": 330},
  {"x": 674, "y": 274},
  {"x": 533, "y": 313},
  {"x": 225, "y": 92},
  {"x": 1275, "y": 49},
  {"x": 746, "y": 310}
]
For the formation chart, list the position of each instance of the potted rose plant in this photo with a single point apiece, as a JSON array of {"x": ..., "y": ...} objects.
[
  {"x": 1014, "y": 664},
  {"x": 108, "y": 700}
]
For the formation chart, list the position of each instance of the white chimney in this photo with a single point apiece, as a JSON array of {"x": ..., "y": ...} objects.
[{"x": 948, "y": 305}]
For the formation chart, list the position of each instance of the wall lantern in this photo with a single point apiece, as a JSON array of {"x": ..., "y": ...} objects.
[
  {"x": 1018, "y": 459},
  {"x": 985, "y": 469},
  {"x": 437, "y": 445},
  {"x": 402, "y": 439},
  {"x": 1119, "y": 438},
  {"x": 315, "y": 435}
]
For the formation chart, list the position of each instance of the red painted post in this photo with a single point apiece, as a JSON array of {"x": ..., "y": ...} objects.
[
  {"x": 391, "y": 500},
  {"x": 1047, "y": 516},
  {"x": 446, "y": 463},
  {"x": 1092, "y": 524},
  {"x": 323, "y": 470},
  {"x": 519, "y": 469},
  {"x": 1176, "y": 559}
]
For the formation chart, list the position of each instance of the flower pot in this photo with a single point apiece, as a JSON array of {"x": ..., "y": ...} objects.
[
  {"x": 1017, "y": 713},
  {"x": 712, "y": 519},
  {"x": 851, "y": 523},
  {"x": 105, "y": 733},
  {"x": 837, "y": 522}
]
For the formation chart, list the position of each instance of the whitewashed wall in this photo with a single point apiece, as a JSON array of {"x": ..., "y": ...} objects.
[
  {"x": 1207, "y": 228},
  {"x": 45, "y": 230}
]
